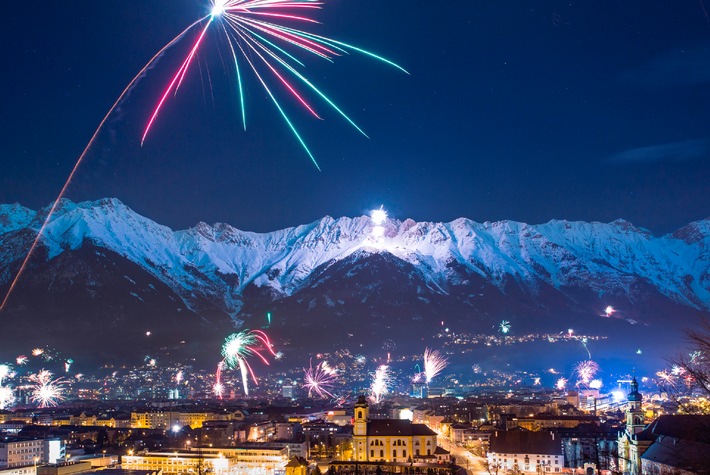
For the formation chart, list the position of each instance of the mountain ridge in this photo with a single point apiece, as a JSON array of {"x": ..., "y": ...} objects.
[
  {"x": 104, "y": 274},
  {"x": 560, "y": 253}
]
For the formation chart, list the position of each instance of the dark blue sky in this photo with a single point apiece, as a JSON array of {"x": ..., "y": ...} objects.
[{"x": 513, "y": 110}]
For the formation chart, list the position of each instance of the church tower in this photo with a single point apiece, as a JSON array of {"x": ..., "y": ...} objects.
[
  {"x": 362, "y": 412},
  {"x": 634, "y": 412}
]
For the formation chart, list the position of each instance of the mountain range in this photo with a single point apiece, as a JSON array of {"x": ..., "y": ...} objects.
[{"x": 104, "y": 275}]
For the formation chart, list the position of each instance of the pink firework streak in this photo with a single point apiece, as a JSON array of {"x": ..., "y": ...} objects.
[
  {"x": 319, "y": 379},
  {"x": 256, "y": 31},
  {"x": 236, "y": 348}
]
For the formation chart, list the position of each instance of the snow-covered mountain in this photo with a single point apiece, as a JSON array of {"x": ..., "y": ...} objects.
[{"x": 326, "y": 266}]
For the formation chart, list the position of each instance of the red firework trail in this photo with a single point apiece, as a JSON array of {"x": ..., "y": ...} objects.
[
  {"x": 63, "y": 191},
  {"x": 249, "y": 27}
]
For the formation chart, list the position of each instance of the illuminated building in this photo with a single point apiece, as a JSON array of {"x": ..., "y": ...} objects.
[
  {"x": 252, "y": 460},
  {"x": 391, "y": 440},
  {"x": 19, "y": 452}
]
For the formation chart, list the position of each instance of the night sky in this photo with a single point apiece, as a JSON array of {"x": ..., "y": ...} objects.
[{"x": 523, "y": 110}]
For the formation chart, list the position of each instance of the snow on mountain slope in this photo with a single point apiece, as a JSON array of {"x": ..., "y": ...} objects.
[{"x": 218, "y": 262}]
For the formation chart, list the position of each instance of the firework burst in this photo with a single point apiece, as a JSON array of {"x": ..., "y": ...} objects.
[
  {"x": 261, "y": 37},
  {"x": 7, "y": 395},
  {"x": 47, "y": 392},
  {"x": 380, "y": 383},
  {"x": 434, "y": 363},
  {"x": 319, "y": 380},
  {"x": 561, "y": 384},
  {"x": 667, "y": 378},
  {"x": 585, "y": 371},
  {"x": 237, "y": 348},
  {"x": 504, "y": 327}
]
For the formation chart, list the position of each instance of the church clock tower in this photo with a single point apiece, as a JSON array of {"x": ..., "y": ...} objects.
[
  {"x": 362, "y": 413},
  {"x": 634, "y": 412}
]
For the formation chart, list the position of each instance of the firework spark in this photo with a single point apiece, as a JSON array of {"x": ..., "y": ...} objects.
[
  {"x": 47, "y": 391},
  {"x": 259, "y": 39},
  {"x": 37, "y": 352},
  {"x": 434, "y": 363},
  {"x": 319, "y": 380},
  {"x": 504, "y": 327},
  {"x": 380, "y": 383},
  {"x": 609, "y": 311},
  {"x": 238, "y": 347},
  {"x": 21, "y": 360},
  {"x": 667, "y": 378},
  {"x": 7, "y": 395},
  {"x": 585, "y": 371},
  {"x": 561, "y": 384},
  {"x": 5, "y": 371}
]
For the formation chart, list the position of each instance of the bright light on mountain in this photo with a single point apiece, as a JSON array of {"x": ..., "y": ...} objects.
[{"x": 378, "y": 216}]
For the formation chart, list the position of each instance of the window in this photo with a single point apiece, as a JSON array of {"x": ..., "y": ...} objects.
[
  {"x": 382, "y": 453},
  {"x": 372, "y": 453},
  {"x": 394, "y": 453}
]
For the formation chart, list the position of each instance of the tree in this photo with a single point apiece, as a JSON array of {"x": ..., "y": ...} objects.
[{"x": 691, "y": 372}]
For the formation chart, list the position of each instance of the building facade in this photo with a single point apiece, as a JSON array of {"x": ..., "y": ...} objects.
[{"x": 390, "y": 440}]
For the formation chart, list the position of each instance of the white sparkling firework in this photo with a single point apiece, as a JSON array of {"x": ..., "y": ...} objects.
[
  {"x": 595, "y": 384},
  {"x": 378, "y": 216},
  {"x": 609, "y": 311},
  {"x": 21, "y": 360},
  {"x": 585, "y": 371},
  {"x": 380, "y": 383},
  {"x": 504, "y": 327},
  {"x": 677, "y": 370},
  {"x": 179, "y": 376},
  {"x": 434, "y": 363},
  {"x": 7, "y": 395},
  {"x": 561, "y": 384},
  {"x": 47, "y": 391}
]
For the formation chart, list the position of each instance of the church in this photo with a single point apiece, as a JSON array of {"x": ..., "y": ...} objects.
[
  {"x": 393, "y": 440},
  {"x": 632, "y": 442}
]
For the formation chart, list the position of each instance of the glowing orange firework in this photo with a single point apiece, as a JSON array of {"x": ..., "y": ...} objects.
[{"x": 256, "y": 31}]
